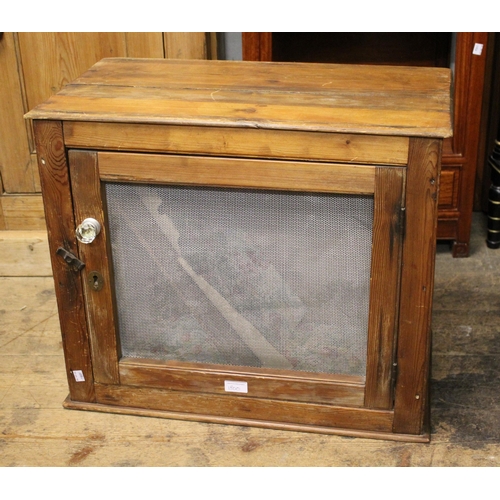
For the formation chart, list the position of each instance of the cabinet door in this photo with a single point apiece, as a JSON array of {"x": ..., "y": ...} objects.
[{"x": 218, "y": 284}]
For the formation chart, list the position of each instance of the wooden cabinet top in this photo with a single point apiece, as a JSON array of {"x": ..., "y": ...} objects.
[{"x": 379, "y": 100}]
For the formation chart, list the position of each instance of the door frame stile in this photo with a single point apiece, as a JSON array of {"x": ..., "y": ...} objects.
[{"x": 58, "y": 204}]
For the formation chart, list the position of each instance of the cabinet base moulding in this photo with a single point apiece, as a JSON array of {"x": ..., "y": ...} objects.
[{"x": 209, "y": 419}]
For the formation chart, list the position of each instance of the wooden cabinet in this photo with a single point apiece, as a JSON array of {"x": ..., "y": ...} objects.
[
  {"x": 466, "y": 53},
  {"x": 255, "y": 240},
  {"x": 37, "y": 65}
]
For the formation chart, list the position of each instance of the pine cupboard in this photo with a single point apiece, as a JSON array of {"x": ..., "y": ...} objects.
[{"x": 247, "y": 243}]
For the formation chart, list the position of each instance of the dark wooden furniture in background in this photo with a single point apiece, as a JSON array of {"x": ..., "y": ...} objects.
[
  {"x": 371, "y": 135},
  {"x": 493, "y": 237},
  {"x": 491, "y": 114},
  {"x": 461, "y": 153}
]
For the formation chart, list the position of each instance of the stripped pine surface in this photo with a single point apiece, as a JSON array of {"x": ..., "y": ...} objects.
[
  {"x": 329, "y": 99},
  {"x": 237, "y": 173},
  {"x": 414, "y": 340},
  {"x": 223, "y": 141},
  {"x": 352, "y": 99},
  {"x": 100, "y": 310},
  {"x": 24, "y": 252},
  {"x": 388, "y": 230},
  {"x": 59, "y": 215}
]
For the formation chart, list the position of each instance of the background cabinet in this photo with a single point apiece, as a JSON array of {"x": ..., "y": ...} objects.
[
  {"x": 37, "y": 65},
  {"x": 466, "y": 53}
]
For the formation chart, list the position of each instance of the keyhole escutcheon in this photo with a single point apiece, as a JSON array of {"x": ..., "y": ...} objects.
[{"x": 95, "y": 281}]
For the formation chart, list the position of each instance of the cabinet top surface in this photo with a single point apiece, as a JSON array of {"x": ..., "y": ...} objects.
[{"x": 381, "y": 100}]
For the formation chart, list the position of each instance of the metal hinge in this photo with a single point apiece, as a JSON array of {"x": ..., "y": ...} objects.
[
  {"x": 394, "y": 380},
  {"x": 402, "y": 222}
]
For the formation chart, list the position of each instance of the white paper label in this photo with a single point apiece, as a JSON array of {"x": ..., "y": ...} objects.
[
  {"x": 478, "y": 49},
  {"x": 231, "y": 386},
  {"x": 78, "y": 374}
]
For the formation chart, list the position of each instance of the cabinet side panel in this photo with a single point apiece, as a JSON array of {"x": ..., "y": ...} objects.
[
  {"x": 417, "y": 283},
  {"x": 55, "y": 183}
]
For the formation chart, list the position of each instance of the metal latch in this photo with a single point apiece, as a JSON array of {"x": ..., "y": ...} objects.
[{"x": 70, "y": 259}]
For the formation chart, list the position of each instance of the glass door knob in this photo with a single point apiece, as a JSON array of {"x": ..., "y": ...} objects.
[{"x": 88, "y": 230}]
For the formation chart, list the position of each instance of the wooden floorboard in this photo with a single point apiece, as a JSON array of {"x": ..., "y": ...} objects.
[
  {"x": 24, "y": 253},
  {"x": 36, "y": 431}
]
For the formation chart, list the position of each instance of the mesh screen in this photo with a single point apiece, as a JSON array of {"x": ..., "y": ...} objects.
[{"x": 242, "y": 277}]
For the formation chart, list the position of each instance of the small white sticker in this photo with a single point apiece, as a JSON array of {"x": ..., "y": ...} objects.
[
  {"x": 78, "y": 374},
  {"x": 231, "y": 386},
  {"x": 478, "y": 49}
]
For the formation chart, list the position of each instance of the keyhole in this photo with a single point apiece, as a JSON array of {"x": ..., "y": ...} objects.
[{"x": 95, "y": 281}]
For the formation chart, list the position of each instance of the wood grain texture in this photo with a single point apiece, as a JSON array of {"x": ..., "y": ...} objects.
[
  {"x": 471, "y": 136},
  {"x": 180, "y": 102},
  {"x": 22, "y": 211},
  {"x": 294, "y": 386},
  {"x": 472, "y": 79},
  {"x": 185, "y": 45},
  {"x": 469, "y": 88},
  {"x": 24, "y": 253},
  {"x": 52, "y": 60},
  {"x": 68, "y": 286},
  {"x": 15, "y": 167},
  {"x": 250, "y": 42},
  {"x": 417, "y": 284},
  {"x": 448, "y": 191},
  {"x": 257, "y": 46},
  {"x": 36, "y": 65},
  {"x": 36, "y": 173},
  {"x": 223, "y": 141},
  {"x": 388, "y": 227},
  {"x": 406, "y": 83},
  {"x": 262, "y": 424},
  {"x": 229, "y": 172},
  {"x": 332, "y": 98},
  {"x": 38, "y": 431},
  {"x": 144, "y": 44},
  {"x": 87, "y": 195},
  {"x": 288, "y": 412},
  {"x": 2, "y": 218}
]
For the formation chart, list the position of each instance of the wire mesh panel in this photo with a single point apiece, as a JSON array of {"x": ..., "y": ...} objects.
[{"x": 242, "y": 277}]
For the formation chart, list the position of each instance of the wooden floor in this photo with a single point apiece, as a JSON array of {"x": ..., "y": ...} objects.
[{"x": 36, "y": 431}]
